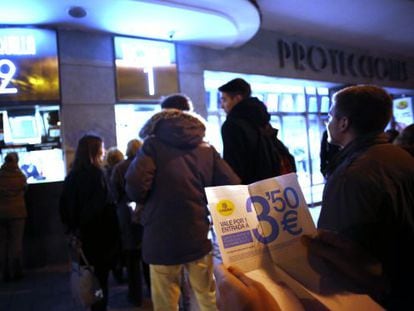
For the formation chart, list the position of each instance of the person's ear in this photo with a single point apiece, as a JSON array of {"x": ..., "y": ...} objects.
[
  {"x": 238, "y": 98},
  {"x": 344, "y": 124}
]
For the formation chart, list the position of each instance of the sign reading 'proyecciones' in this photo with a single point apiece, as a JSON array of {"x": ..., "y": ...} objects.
[{"x": 325, "y": 60}]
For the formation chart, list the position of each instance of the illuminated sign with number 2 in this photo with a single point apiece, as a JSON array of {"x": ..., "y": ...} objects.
[
  {"x": 7, "y": 71},
  {"x": 17, "y": 45},
  {"x": 28, "y": 65}
]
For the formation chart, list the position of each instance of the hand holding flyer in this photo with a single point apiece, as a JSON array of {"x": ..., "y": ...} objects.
[{"x": 259, "y": 228}]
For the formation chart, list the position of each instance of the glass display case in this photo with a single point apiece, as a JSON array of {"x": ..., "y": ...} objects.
[{"x": 34, "y": 133}]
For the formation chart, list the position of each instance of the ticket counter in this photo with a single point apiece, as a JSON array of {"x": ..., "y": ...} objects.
[
  {"x": 44, "y": 239},
  {"x": 30, "y": 126}
]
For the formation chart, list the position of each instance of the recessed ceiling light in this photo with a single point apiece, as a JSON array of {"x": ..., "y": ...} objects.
[{"x": 77, "y": 12}]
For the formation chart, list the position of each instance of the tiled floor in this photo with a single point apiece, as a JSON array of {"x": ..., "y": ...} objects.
[{"x": 48, "y": 290}]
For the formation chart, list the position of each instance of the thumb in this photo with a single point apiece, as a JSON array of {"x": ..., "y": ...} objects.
[{"x": 241, "y": 276}]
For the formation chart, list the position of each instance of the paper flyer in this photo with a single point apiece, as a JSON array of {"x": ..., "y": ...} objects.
[{"x": 271, "y": 214}]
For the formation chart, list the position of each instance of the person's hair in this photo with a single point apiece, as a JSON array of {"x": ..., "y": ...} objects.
[
  {"x": 11, "y": 157},
  {"x": 87, "y": 152},
  {"x": 177, "y": 101},
  {"x": 368, "y": 107},
  {"x": 113, "y": 156},
  {"x": 235, "y": 87},
  {"x": 406, "y": 137},
  {"x": 133, "y": 147}
]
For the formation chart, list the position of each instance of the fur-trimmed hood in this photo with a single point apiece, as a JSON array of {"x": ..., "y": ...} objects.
[{"x": 175, "y": 127}]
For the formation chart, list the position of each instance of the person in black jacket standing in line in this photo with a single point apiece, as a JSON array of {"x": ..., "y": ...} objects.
[{"x": 249, "y": 141}]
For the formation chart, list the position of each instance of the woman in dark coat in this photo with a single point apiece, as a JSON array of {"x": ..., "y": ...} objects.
[{"x": 88, "y": 213}]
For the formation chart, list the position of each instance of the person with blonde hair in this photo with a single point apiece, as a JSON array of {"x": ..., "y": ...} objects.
[
  {"x": 131, "y": 232},
  {"x": 112, "y": 157}
]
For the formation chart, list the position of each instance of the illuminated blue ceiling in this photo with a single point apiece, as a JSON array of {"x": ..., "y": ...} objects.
[
  {"x": 213, "y": 23},
  {"x": 379, "y": 25}
]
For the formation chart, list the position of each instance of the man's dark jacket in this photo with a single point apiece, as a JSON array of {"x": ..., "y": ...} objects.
[
  {"x": 369, "y": 198},
  {"x": 167, "y": 177},
  {"x": 240, "y": 133}
]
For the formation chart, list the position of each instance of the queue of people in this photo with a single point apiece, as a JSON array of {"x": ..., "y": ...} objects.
[
  {"x": 367, "y": 203},
  {"x": 148, "y": 212}
]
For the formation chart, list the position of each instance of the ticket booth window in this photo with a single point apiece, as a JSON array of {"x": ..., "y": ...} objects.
[{"x": 34, "y": 133}]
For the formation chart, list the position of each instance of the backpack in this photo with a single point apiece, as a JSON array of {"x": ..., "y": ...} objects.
[{"x": 273, "y": 157}]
